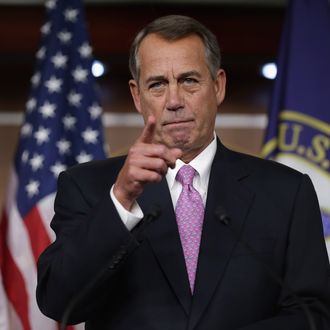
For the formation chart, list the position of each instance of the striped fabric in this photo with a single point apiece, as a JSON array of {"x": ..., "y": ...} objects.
[{"x": 62, "y": 127}]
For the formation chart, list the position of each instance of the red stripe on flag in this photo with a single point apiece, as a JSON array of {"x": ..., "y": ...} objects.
[
  {"x": 69, "y": 327},
  {"x": 3, "y": 228},
  {"x": 38, "y": 235},
  {"x": 12, "y": 278}
]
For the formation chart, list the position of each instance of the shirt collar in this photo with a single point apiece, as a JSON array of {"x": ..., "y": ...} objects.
[{"x": 201, "y": 163}]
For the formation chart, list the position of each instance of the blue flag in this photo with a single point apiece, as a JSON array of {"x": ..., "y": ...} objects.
[
  {"x": 299, "y": 123},
  {"x": 62, "y": 127}
]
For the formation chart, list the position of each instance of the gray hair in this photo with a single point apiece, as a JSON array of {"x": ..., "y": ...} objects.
[{"x": 174, "y": 27}]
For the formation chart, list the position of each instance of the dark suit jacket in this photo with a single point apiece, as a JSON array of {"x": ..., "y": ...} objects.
[{"x": 144, "y": 284}]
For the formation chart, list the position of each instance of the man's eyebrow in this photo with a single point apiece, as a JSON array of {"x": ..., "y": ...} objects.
[
  {"x": 155, "y": 78},
  {"x": 189, "y": 74}
]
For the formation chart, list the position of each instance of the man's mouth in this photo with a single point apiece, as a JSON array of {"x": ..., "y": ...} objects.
[{"x": 178, "y": 122}]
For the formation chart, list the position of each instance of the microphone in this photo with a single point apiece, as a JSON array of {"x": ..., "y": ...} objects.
[
  {"x": 116, "y": 260},
  {"x": 224, "y": 218},
  {"x": 153, "y": 213}
]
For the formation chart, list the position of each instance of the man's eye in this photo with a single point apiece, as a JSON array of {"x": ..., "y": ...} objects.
[
  {"x": 156, "y": 85},
  {"x": 190, "y": 81}
]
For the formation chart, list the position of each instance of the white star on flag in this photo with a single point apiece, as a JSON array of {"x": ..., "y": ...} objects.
[
  {"x": 69, "y": 122},
  {"x": 45, "y": 29},
  {"x": 64, "y": 36},
  {"x": 26, "y": 129},
  {"x": 32, "y": 188},
  {"x": 36, "y": 162},
  {"x": 57, "y": 168},
  {"x": 90, "y": 135},
  {"x": 74, "y": 98},
  {"x": 50, "y": 4},
  {"x": 41, "y": 53},
  {"x": 83, "y": 157},
  {"x": 31, "y": 104},
  {"x": 85, "y": 50},
  {"x": 71, "y": 14},
  {"x": 35, "y": 80},
  {"x": 42, "y": 135},
  {"x": 25, "y": 156},
  {"x": 95, "y": 111},
  {"x": 59, "y": 60},
  {"x": 53, "y": 84},
  {"x": 63, "y": 146},
  {"x": 79, "y": 74},
  {"x": 47, "y": 110}
]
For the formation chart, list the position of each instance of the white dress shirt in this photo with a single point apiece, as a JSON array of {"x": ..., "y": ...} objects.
[{"x": 201, "y": 163}]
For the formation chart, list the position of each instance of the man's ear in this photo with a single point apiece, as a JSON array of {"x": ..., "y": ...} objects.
[
  {"x": 134, "y": 88},
  {"x": 220, "y": 85}
]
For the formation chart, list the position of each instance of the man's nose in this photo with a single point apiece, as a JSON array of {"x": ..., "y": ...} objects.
[{"x": 174, "y": 100}]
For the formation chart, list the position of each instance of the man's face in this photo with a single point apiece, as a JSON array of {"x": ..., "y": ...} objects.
[{"x": 176, "y": 87}]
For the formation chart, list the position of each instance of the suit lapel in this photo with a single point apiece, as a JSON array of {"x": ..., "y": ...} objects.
[
  {"x": 217, "y": 242},
  {"x": 164, "y": 239},
  {"x": 225, "y": 189}
]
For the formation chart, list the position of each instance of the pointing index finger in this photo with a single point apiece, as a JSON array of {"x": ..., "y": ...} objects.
[{"x": 148, "y": 131}]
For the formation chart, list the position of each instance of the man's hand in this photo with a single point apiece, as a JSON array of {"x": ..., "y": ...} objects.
[{"x": 146, "y": 162}]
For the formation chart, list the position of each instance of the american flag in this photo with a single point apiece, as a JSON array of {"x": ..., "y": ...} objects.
[{"x": 62, "y": 127}]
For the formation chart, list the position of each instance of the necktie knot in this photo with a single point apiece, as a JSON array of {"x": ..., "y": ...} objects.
[{"x": 186, "y": 175}]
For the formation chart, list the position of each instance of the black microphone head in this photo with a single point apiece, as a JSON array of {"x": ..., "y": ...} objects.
[{"x": 222, "y": 215}]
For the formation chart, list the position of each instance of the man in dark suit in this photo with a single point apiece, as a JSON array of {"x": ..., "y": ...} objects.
[{"x": 124, "y": 277}]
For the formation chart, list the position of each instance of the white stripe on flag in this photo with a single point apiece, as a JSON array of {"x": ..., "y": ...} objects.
[{"x": 14, "y": 321}]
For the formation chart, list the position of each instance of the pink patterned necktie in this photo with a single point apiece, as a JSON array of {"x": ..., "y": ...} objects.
[{"x": 189, "y": 213}]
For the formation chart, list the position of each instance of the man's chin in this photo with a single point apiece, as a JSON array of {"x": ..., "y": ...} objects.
[
  {"x": 177, "y": 135},
  {"x": 178, "y": 142}
]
